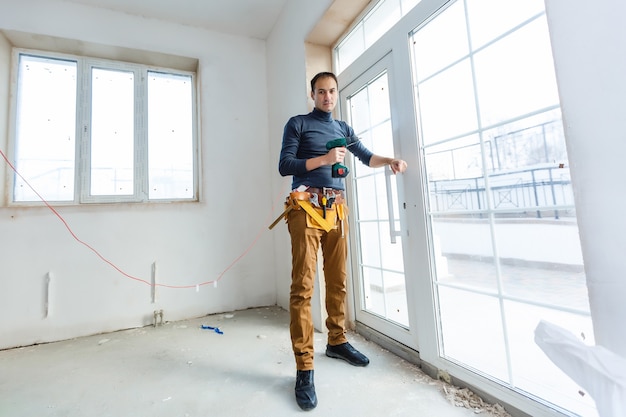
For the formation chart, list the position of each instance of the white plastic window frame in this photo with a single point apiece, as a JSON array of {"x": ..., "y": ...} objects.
[
  {"x": 359, "y": 37},
  {"x": 82, "y": 154}
]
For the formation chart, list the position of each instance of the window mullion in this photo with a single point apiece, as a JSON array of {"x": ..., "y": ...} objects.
[
  {"x": 83, "y": 134},
  {"x": 141, "y": 135}
]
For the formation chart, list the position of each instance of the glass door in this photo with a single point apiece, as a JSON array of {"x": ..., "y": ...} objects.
[
  {"x": 505, "y": 245},
  {"x": 377, "y": 237}
]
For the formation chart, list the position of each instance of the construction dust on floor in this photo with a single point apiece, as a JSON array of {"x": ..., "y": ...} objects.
[{"x": 236, "y": 364}]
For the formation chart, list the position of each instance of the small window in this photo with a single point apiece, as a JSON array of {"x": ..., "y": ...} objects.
[
  {"x": 45, "y": 132},
  {"x": 370, "y": 28},
  {"x": 90, "y": 130},
  {"x": 170, "y": 134}
]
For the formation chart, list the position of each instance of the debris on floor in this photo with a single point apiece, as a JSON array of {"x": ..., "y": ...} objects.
[
  {"x": 463, "y": 397},
  {"x": 459, "y": 397}
]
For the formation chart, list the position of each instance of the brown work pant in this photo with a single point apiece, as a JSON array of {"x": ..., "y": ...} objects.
[{"x": 305, "y": 242}]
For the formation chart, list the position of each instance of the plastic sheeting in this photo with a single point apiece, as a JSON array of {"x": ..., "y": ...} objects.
[{"x": 599, "y": 371}]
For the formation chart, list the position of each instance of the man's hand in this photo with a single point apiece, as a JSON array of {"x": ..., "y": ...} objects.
[
  {"x": 397, "y": 166},
  {"x": 336, "y": 155}
]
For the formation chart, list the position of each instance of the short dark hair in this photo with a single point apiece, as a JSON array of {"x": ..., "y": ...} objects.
[{"x": 323, "y": 75}]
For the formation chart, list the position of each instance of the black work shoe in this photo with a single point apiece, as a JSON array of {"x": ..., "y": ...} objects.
[
  {"x": 349, "y": 354},
  {"x": 305, "y": 390}
]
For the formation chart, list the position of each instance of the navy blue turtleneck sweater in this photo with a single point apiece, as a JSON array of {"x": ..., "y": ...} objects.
[{"x": 305, "y": 136}]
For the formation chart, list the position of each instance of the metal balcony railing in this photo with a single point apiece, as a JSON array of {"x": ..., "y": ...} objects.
[{"x": 531, "y": 190}]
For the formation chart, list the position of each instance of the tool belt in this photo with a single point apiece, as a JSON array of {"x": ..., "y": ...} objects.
[
  {"x": 324, "y": 206},
  {"x": 329, "y": 193}
]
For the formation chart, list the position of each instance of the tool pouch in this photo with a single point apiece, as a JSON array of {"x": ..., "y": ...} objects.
[
  {"x": 334, "y": 215},
  {"x": 331, "y": 217}
]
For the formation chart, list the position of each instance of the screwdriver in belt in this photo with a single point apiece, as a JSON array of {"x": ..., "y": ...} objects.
[{"x": 324, "y": 206}]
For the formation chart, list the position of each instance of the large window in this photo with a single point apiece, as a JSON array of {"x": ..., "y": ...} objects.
[
  {"x": 490, "y": 243},
  {"x": 500, "y": 198},
  {"x": 90, "y": 130}
]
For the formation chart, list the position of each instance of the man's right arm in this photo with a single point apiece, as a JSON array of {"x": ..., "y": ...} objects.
[
  {"x": 290, "y": 164},
  {"x": 333, "y": 156}
]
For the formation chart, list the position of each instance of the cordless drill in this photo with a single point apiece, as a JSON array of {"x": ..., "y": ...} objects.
[{"x": 339, "y": 170}]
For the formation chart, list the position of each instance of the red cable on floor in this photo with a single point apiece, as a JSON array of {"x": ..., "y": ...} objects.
[{"x": 69, "y": 229}]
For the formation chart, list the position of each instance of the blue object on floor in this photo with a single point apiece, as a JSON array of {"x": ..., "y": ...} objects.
[{"x": 215, "y": 329}]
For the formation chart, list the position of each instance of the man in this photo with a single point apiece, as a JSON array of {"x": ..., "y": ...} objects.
[{"x": 304, "y": 156}]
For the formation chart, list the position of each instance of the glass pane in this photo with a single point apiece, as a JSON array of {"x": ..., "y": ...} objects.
[
  {"x": 366, "y": 138},
  {"x": 536, "y": 141},
  {"x": 532, "y": 369},
  {"x": 112, "y": 132},
  {"x": 532, "y": 189},
  {"x": 442, "y": 42},
  {"x": 455, "y": 173},
  {"x": 46, "y": 129},
  {"x": 385, "y": 294},
  {"x": 392, "y": 252},
  {"x": 381, "y": 195},
  {"x": 395, "y": 298},
  {"x": 463, "y": 252},
  {"x": 170, "y": 136},
  {"x": 492, "y": 18},
  {"x": 369, "y": 235},
  {"x": 351, "y": 48},
  {"x": 380, "y": 20},
  {"x": 366, "y": 198},
  {"x": 515, "y": 76},
  {"x": 374, "y": 299},
  {"x": 382, "y": 139},
  {"x": 359, "y": 110},
  {"x": 380, "y": 110},
  {"x": 448, "y": 94},
  {"x": 471, "y": 324},
  {"x": 539, "y": 259}
]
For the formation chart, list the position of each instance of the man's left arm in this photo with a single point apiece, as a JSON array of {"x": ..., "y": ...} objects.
[{"x": 396, "y": 165}]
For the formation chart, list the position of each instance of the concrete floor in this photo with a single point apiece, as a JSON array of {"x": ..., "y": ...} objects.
[{"x": 181, "y": 370}]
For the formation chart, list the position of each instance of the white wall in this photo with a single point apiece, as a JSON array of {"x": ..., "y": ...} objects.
[
  {"x": 589, "y": 45},
  {"x": 289, "y": 95},
  {"x": 191, "y": 243},
  {"x": 5, "y": 73}
]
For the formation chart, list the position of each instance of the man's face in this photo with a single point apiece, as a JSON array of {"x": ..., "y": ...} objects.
[{"x": 325, "y": 94}]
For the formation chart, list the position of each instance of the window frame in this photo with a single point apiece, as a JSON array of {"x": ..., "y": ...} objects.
[{"x": 82, "y": 152}]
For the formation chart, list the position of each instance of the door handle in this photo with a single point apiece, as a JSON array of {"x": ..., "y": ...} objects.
[{"x": 390, "y": 206}]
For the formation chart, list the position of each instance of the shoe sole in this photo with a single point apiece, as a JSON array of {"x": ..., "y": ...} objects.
[{"x": 307, "y": 408}]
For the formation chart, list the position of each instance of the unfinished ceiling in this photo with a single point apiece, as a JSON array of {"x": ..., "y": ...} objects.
[
  {"x": 337, "y": 19},
  {"x": 250, "y": 18}
]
